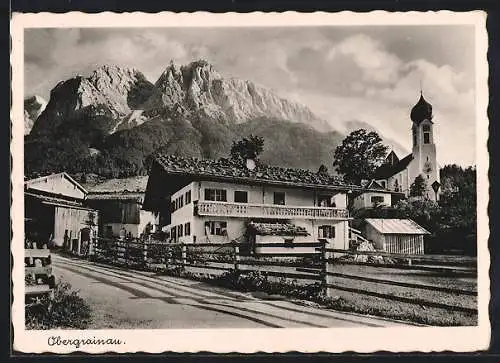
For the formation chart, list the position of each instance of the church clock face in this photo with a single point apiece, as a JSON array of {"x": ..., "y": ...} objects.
[{"x": 427, "y": 167}]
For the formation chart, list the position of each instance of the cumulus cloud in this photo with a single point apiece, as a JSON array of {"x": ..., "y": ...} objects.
[
  {"x": 375, "y": 63},
  {"x": 365, "y": 74}
]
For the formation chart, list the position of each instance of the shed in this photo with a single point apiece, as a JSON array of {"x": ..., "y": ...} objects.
[
  {"x": 395, "y": 235},
  {"x": 119, "y": 202},
  {"x": 54, "y": 206}
]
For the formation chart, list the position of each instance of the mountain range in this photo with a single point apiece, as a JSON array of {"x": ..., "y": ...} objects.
[{"x": 111, "y": 122}]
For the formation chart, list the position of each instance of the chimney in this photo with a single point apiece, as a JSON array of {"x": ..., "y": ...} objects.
[{"x": 250, "y": 164}]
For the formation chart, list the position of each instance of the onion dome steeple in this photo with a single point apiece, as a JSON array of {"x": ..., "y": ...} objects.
[{"x": 421, "y": 111}]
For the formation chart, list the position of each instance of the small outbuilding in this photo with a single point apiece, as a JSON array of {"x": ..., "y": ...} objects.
[
  {"x": 55, "y": 213},
  {"x": 119, "y": 202},
  {"x": 395, "y": 235}
]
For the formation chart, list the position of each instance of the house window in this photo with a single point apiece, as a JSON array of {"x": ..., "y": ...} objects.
[
  {"x": 326, "y": 231},
  {"x": 279, "y": 198},
  {"x": 376, "y": 199},
  {"x": 187, "y": 229},
  {"x": 216, "y": 228},
  {"x": 383, "y": 183},
  {"x": 218, "y": 195},
  {"x": 240, "y": 196},
  {"x": 180, "y": 230},
  {"x": 172, "y": 206},
  {"x": 188, "y": 197},
  {"x": 326, "y": 201},
  {"x": 396, "y": 186},
  {"x": 173, "y": 233},
  {"x": 181, "y": 201}
]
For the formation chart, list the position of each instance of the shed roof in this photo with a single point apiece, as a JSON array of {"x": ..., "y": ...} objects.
[
  {"x": 55, "y": 201},
  {"x": 116, "y": 196},
  {"x": 396, "y": 226},
  {"x": 135, "y": 184}
]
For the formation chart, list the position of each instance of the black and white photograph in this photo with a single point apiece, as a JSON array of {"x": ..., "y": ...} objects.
[{"x": 183, "y": 182}]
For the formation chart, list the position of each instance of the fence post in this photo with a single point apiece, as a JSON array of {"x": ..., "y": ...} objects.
[
  {"x": 145, "y": 254},
  {"x": 325, "y": 267},
  {"x": 184, "y": 255},
  {"x": 236, "y": 256}
]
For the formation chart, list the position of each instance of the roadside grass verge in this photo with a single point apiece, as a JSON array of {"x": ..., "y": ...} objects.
[{"x": 65, "y": 310}]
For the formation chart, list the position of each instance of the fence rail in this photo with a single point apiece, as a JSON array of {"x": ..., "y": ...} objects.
[
  {"x": 38, "y": 272},
  {"x": 311, "y": 266}
]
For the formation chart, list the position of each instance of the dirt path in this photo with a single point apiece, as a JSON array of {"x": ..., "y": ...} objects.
[{"x": 124, "y": 299}]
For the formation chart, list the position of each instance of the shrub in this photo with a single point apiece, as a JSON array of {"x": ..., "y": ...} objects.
[{"x": 66, "y": 309}]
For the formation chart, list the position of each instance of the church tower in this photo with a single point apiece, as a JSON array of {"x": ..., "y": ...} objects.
[{"x": 424, "y": 161}]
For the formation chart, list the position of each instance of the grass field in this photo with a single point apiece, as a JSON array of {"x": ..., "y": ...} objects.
[{"x": 362, "y": 302}]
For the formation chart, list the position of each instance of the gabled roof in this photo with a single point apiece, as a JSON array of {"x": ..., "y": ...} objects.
[
  {"x": 135, "y": 184},
  {"x": 277, "y": 229},
  {"x": 396, "y": 226},
  {"x": 387, "y": 170},
  {"x": 374, "y": 185},
  {"x": 232, "y": 171},
  {"x": 29, "y": 183}
]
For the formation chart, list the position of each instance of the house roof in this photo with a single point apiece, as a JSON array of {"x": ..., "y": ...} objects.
[
  {"x": 53, "y": 200},
  {"x": 30, "y": 182},
  {"x": 277, "y": 229},
  {"x": 374, "y": 185},
  {"x": 116, "y": 196},
  {"x": 135, "y": 184},
  {"x": 396, "y": 226},
  {"x": 229, "y": 170},
  {"x": 387, "y": 170}
]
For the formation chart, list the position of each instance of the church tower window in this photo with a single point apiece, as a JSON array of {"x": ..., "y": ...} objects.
[
  {"x": 414, "y": 136},
  {"x": 427, "y": 134}
]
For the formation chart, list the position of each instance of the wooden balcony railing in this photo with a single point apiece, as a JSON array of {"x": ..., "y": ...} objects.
[{"x": 226, "y": 209}]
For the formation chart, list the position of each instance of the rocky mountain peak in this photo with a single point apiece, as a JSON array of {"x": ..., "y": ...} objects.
[
  {"x": 198, "y": 88},
  {"x": 33, "y": 107},
  {"x": 110, "y": 91}
]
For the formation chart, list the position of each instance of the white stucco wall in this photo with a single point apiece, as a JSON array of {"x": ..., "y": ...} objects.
[
  {"x": 184, "y": 214},
  {"x": 364, "y": 200},
  {"x": 57, "y": 184},
  {"x": 236, "y": 226}
]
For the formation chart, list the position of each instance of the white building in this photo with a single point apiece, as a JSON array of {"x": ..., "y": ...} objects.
[
  {"x": 399, "y": 174},
  {"x": 208, "y": 201},
  {"x": 55, "y": 210}
]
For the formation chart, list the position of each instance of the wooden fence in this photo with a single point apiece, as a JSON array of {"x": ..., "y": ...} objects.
[
  {"x": 38, "y": 272},
  {"x": 133, "y": 253},
  {"x": 318, "y": 266}
]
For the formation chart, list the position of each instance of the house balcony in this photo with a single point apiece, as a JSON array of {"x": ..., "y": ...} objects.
[{"x": 244, "y": 210}]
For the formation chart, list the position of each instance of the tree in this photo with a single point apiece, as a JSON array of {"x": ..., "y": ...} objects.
[
  {"x": 425, "y": 212},
  {"x": 359, "y": 155},
  {"x": 458, "y": 197},
  {"x": 247, "y": 148},
  {"x": 418, "y": 187},
  {"x": 323, "y": 170}
]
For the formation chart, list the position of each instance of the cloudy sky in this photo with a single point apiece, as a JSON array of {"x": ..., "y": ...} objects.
[{"x": 370, "y": 74}]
